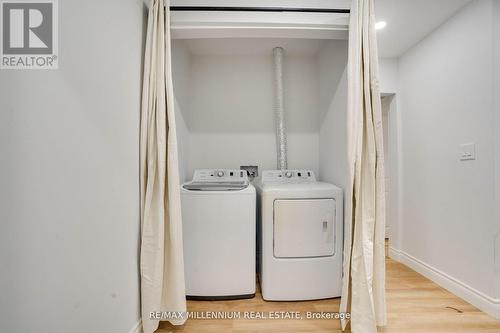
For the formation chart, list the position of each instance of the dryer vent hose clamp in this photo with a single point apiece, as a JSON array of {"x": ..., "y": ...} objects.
[{"x": 279, "y": 109}]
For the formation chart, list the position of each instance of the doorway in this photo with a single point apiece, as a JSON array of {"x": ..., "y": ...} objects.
[{"x": 391, "y": 136}]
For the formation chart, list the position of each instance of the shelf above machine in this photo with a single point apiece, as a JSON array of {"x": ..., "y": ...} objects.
[
  {"x": 235, "y": 24},
  {"x": 314, "y": 19}
]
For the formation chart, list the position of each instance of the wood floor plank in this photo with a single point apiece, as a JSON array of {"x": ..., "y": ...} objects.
[{"x": 414, "y": 305}]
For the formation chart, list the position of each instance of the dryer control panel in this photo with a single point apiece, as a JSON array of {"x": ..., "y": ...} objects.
[{"x": 288, "y": 176}]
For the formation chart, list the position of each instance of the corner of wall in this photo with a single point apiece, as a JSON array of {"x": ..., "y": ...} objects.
[
  {"x": 389, "y": 75},
  {"x": 483, "y": 302},
  {"x": 137, "y": 327},
  {"x": 480, "y": 284},
  {"x": 496, "y": 116}
]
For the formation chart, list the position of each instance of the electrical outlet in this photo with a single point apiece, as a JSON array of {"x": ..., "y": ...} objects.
[
  {"x": 467, "y": 151},
  {"x": 252, "y": 170}
]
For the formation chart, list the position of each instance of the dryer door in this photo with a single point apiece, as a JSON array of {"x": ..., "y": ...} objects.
[{"x": 304, "y": 228}]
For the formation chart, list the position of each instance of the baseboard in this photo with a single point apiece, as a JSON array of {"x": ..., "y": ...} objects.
[
  {"x": 137, "y": 327},
  {"x": 471, "y": 295},
  {"x": 394, "y": 254}
]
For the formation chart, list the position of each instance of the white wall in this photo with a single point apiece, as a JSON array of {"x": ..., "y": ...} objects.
[
  {"x": 449, "y": 221},
  {"x": 69, "y": 191},
  {"x": 182, "y": 142},
  {"x": 229, "y": 109},
  {"x": 231, "y": 150},
  {"x": 393, "y": 171},
  {"x": 388, "y": 75},
  {"x": 181, "y": 69},
  {"x": 386, "y": 108},
  {"x": 234, "y": 93},
  {"x": 332, "y": 63},
  {"x": 333, "y": 139},
  {"x": 496, "y": 94},
  {"x": 389, "y": 88}
]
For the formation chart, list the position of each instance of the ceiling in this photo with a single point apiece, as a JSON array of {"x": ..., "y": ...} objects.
[{"x": 409, "y": 21}]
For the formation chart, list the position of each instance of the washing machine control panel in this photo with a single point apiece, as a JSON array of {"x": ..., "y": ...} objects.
[
  {"x": 288, "y": 176},
  {"x": 220, "y": 175}
]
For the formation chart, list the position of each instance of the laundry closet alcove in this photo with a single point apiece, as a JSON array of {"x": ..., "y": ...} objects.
[
  {"x": 220, "y": 97},
  {"x": 224, "y": 103}
]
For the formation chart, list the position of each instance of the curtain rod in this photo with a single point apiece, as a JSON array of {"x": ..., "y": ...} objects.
[{"x": 258, "y": 9}]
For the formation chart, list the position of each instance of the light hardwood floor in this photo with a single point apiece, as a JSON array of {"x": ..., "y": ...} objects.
[{"x": 414, "y": 305}]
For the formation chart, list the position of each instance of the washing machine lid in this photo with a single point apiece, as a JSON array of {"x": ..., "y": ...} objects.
[
  {"x": 218, "y": 180},
  {"x": 215, "y": 186}
]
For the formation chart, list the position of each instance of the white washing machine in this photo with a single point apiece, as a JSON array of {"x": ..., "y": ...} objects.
[
  {"x": 300, "y": 225},
  {"x": 218, "y": 218}
]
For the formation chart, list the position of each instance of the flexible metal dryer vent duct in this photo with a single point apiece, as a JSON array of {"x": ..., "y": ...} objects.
[{"x": 278, "y": 108}]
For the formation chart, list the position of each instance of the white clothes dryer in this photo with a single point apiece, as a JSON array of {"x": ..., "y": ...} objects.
[{"x": 300, "y": 222}]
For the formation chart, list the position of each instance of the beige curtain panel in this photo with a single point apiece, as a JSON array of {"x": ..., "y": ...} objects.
[
  {"x": 162, "y": 265},
  {"x": 363, "y": 292}
]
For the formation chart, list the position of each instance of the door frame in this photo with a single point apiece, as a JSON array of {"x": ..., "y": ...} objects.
[{"x": 393, "y": 169}]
